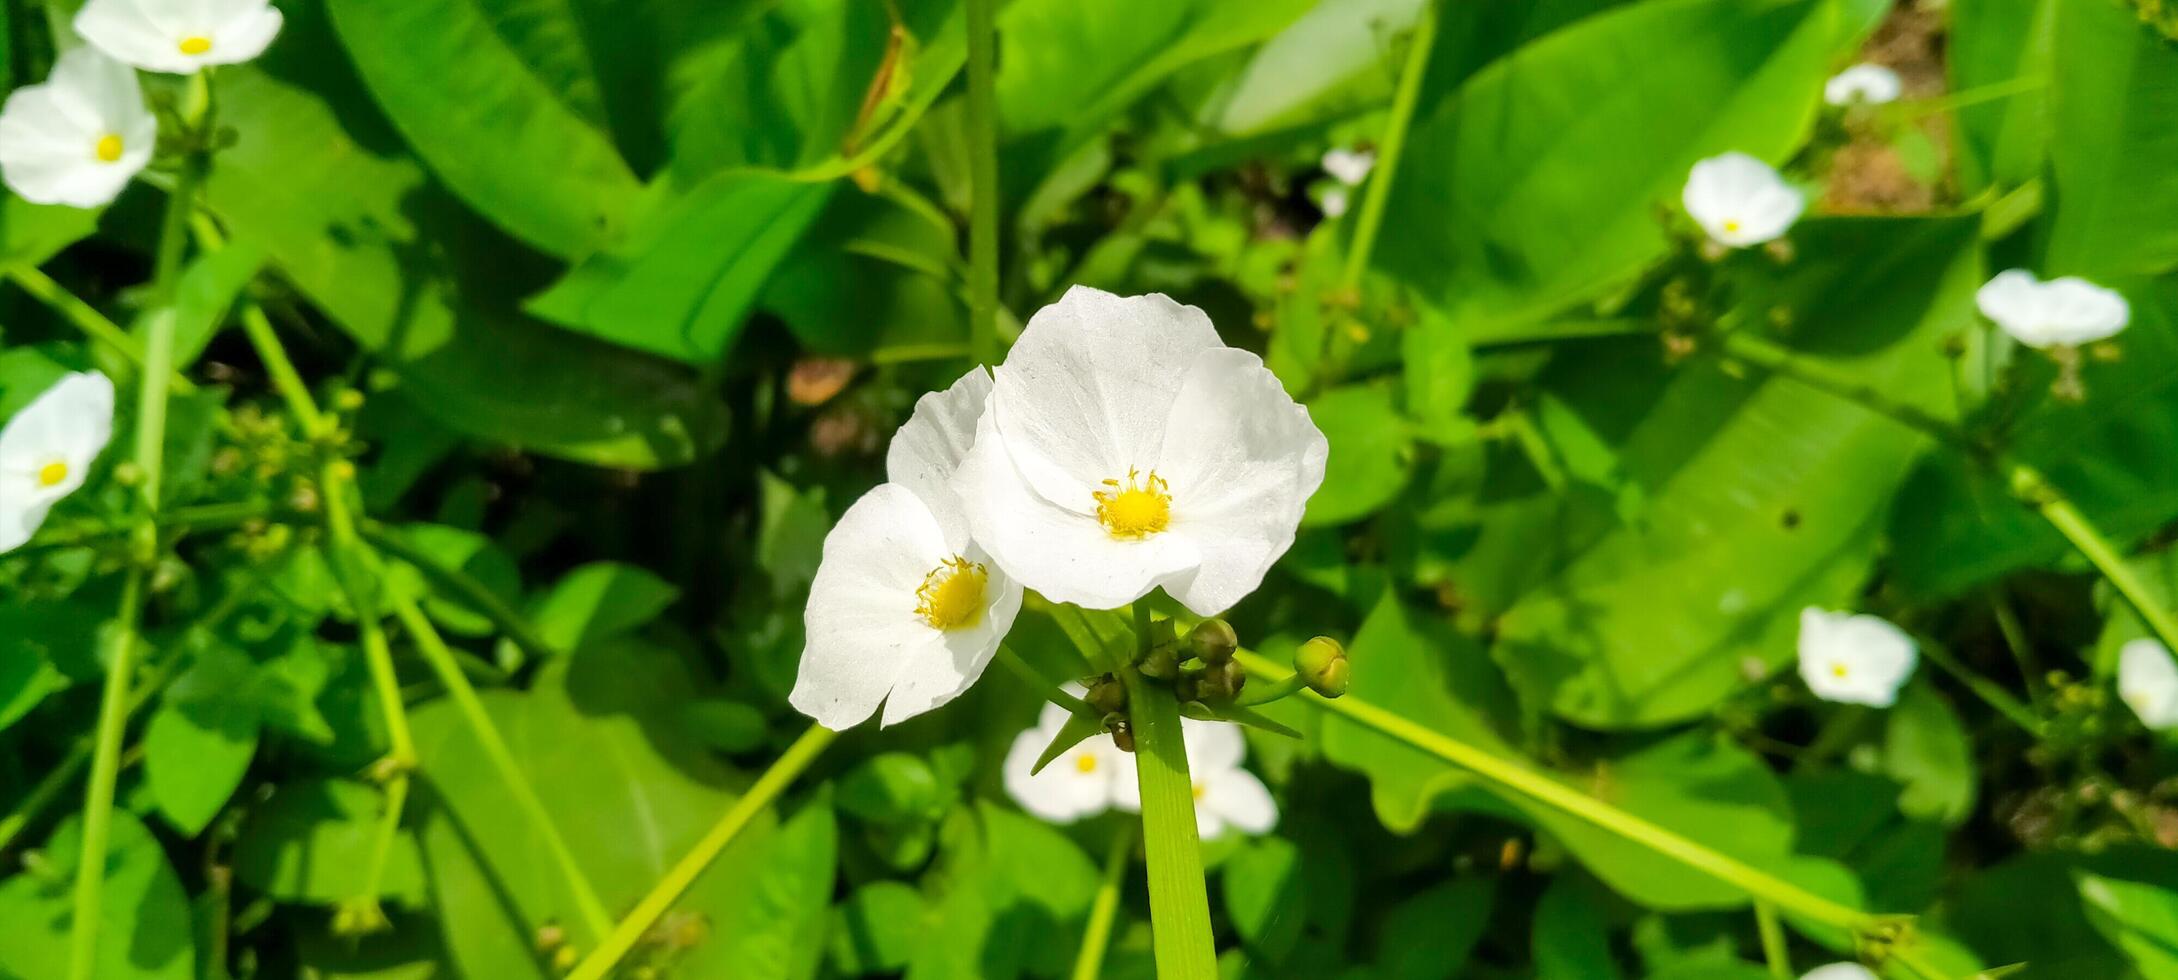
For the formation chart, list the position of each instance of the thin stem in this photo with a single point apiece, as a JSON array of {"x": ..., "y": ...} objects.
[
  {"x": 1506, "y": 775},
  {"x": 2035, "y": 489},
  {"x": 983, "y": 181},
  {"x": 1104, "y": 910},
  {"x": 1772, "y": 932},
  {"x": 204, "y": 517},
  {"x": 442, "y": 663},
  {"x": 393, "y": 771},
  {"x": 1266, "y": 693},
  {"x": 1179, "y": 900},
  {"x": 285, "y": 378},
  {"x": 1990, "y": 692},
  {"x": 1747, "y": 348},
  {"x": 105, "y": 770},
  {"x": 654, "y": 905},
  {"x": 1378, "y": 193},
  {"x": 85, "y": 317},
  {"x": 1040, "y": 684},
  {"x": 2015, "y": 640},
  {"x": 472, "y": 592}
]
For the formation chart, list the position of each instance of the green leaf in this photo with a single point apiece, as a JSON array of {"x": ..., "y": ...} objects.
[
  {"x": 1430, "y": 935},
  {"x": 725, "y": 726},
  {"x": 1500, "y": 213},
  {"x": 459, "y": 550},
  {"x": 1013, "y": 894},
  {"x": 2113, "y": 106},
  {"x": 1371, "y": 456},
  {"x": 904, "y": 267},
  {"x": 144, "y": 927},
  {"x": 32, "y": 233},
  {"x": 890, "y": 787},
  {"x": 2141, "y": 919},
  {"x": 1757, "y": 495},
  {"x": 2054, "y": 934},
  {"x": 195, "y": 754},
  {"x": 206, "y": 291},
  {"x": 2001, "y": 142},
  {"x": 776, "y": 927},
  {"x": 30, "y": 632},
  {"x": 878, "y": 928},
  {"x": 1281, "y": 894},
  {"x": 1572, "y": 939},
  {"x": 311, "y": 843},
  {"x": 488, "y": 126},
  {"x": 685, "y": 276},
  {"x": 1926, "y": 749},
  {"x": 1332, "y": 59},
  {"x": 599, "y": 601}
]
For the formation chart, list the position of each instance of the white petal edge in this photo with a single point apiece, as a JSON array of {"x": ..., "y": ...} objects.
[
  {"x": 931, "y": 445},
  {"x": 861, "y": 626}
]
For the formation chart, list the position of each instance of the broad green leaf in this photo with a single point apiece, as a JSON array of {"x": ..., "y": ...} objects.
[
  {"x": 599, "y": 601},
  {"x": 1572, "y": 938},
  {"x": 1992, "y": 45},
  {"x": 312, "y": 840},
  {"x": 1281, "y": 895},
  {"x": 29, "y": 634},
  {"x": 1013, "y": 894},
  {"x": 904, "y": 265},
  {"x": 2113, "y": 107},
  {"x": 890, "y": 787},
  {"x": 1501, "y": 213},
  {"x": 206, "y": 291},
  {"x": 32, "y": 233},
  {"x": 776, "y": 927},
  {"x": 495, "y": 132},
  {"x": 1371, "y": 455},
  {"x": 877, "y": 929},
  {"x": 459, "y": 550},
  {"x": 1334, "y": 58},
  {"x": 683, "y": 278},
  {"x": 2139, "y": 918},
  {"x": 1926, "y": 749},
  {"x": 1759, "y": 494},
  {"x": 2055, "y": 934},
  {"x": 1429, "y": 935},
  {"x": 144, "y": 929},
  {"x": 195, "y": 753},
  {"x": 316, "y": 179}
]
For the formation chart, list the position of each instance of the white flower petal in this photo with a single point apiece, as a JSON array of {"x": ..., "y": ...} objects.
[
  {"x": 1084, "y": 394},
  {"x": 1335, "y": 202},
  {"x": 1062, "y": 792},
  {"x": 1349, "y": 167},
  {"x": 245, "y": 36},
  {"x": 125, "y": 31},
  {"x": 61, "y": 432},
  {"x": 931, "y": 445},
  {"x": 1854, "y": 659},
  {"x": 1839, "y": 971},
  {"x": 1212, "y": 745},
  {"x": 179, "y": 38},
  {"x": 1064, "y": 555},
  {"x": 861, "y": 622},
  {"x": 1867, "y": 84},
  {"x": 19, "y": 522},
  {"x": 2061, "y": 312},
  {"x": 1237, "y": 798},
  {"x": 937, "y": 674},
  {"x": 51, "y": 134},
  {"x": 1739, "y": 200},
  {"x": 2148, "y": 682},
  {"x": 1241, "y": 459}
]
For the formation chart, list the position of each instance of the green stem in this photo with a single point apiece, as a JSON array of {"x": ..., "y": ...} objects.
[
  {"x": 473, "y": 592},
  {"x": 1388, "y": 151},
  {"x": 1266, "y": 693},
  {"x": 2030, "y": 486},
  {"x": 285, "y": 379},
  {"x": 205, "y": 517},
  {"x": 1040, "y": 684},
  {"x": 86, "y": 318},
  {"x": 1990, "y": 692},
  {"x": 1772, "y": 932},
  {"x": 1104, "y": 910},
  {"x": 442, "y": 663},
  {"x": 2015, "y": 640},
  {"x": 1747, "y": 348},
  {"x": 1506, "y": 775},
  {"x": 654, "y": 905},
  {"x": 1179, "y": 900},
  {"x": 983, "y": 181}
]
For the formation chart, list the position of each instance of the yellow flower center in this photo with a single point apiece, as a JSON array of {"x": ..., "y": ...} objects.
[
  {"x": 1136, "y": 510},
  {"x": 1198, "y": 792},
  {"x": 1085, "y": 763},
  {"x": 1731, "y": 224},
  {"x": 109, "y": 147},
  {"x": 51, "y": 474},
  {"x": 951, "y": 596},
  {"x": 1837, "y": 671},
  {"x": 196, "y": 45}
]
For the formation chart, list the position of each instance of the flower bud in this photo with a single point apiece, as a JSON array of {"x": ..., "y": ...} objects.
[
  {"x": 128, "y": 474},
  {"x": 1107, "y": 695},
  {"x": 1160, "y": 664},
  {"x": 1214, "y": 641},
  {"x": 1221, "y": 681},
  {"x": 1321, "y": 662}
]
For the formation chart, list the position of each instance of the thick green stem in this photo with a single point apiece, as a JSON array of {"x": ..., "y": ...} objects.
[
  {"x": 1104, "y": 910},
  {"x": 1507, "y": 775},
  {"x": 654, "y": 905},
  {"x": 1376, "y": 196},
  {"x": 1179, "y": 900},
  {"x": 1772, "y": 932},
  {"x": 983, "y": 181},
  {"x": 105, "y": 770}
]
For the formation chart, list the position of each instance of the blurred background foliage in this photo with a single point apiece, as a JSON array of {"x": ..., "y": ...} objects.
[{"x": 620, "y": 299}]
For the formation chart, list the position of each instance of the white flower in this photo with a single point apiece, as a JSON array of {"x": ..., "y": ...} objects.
[
  {"x": 1839, "y": 971},
  {"x": 1868, "y": 84},
  {"x": 1226, "y": 795},
  {"x": 1083, "y": 781},
  {"x": 1740, "y": 201},
  {"x": 2148, "y": 681},
  {"x": 1349, "y": 167},
  {"x": 179, "y": 36},
  {"x": 46, "y": 450},
  {"x": 1854, "y": 659},
  {"x": 80, "y": 136},
  {"x": 2066, "y": 311},
  {"x": 905, "y": 608},
  {"x": 1126, "y": 448},
  {"x": 1336, "y": 200}
]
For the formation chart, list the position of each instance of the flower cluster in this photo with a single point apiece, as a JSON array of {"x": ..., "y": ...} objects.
[
  {"x": 47, "y": 449},
  {"x": 81, "y": 135},
  {"x": 1094, "y": 776},
  {"x": 1120, "y": 448}
]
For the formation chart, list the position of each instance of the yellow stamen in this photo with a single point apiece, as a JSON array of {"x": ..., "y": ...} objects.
[
  {"x": 1085, "y": 763},
  {"x": 951, "y": 596},
  {"x": 51, "y": 474},
  {"x": 1837, "y": 671},
  {"x": 196, "y": 45},
  {"x": 109, "y": 147},
  {"x": 1731, "y": 224},
  {"x": 1198, "y": 792},
  {"x": 1136, "y": 510}
]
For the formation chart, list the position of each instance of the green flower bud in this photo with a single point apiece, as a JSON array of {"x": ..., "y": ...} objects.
[
  {"x": 1321, "y": 662},
  {"x": 1214, "y": 641},
  {"x": 1160, "y": 664},
  {"x": 1107, "y": 695}
]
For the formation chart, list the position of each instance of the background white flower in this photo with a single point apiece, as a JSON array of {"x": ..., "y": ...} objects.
[
  {"x": 1739, "y": 201},
  {"x": 1083, "y": 781},
  {"x": 1855, "y": 659},
  {"x": 1226, "y": 795},
  {"x": 77, "y": 138},
  {"x": 1865, "y": 83},
  {"x": 1839, "y": 971},
  {"x": 1349, "y": 168},
  {"x": 905, "y": 609},
  {"x": 2148, "y": 681},
  {"x": 2061, "y": 312},
  {"x": 179, "y": 36},
  {"x": 47, "y": 449},
  {"x": 1126, "y": 448}
]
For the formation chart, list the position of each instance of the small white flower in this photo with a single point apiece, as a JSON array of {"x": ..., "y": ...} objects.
[
  {"x": 1865, "y": 83},
  {"x": 1226, "y": 795},
  {"x": 47, "y": 449},
  {"x": 2063, "y": 312},
  {"x": 1854, "y": 659},
  {"x": 905, "y": 609},
  {"x": 2148, "y": 681},
  {"x": 80, "y": 136},
  {"x": 1336, "y": 200},
  {"x": 1740, "y": 201},
  {"x": 1126, "y": 448},
  {"x": 1083, "y": 781},
  {"x": 179, "y": 36},
  {"x": 1349, "y": 167},
  {"x": 1840, "y": 971}
]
